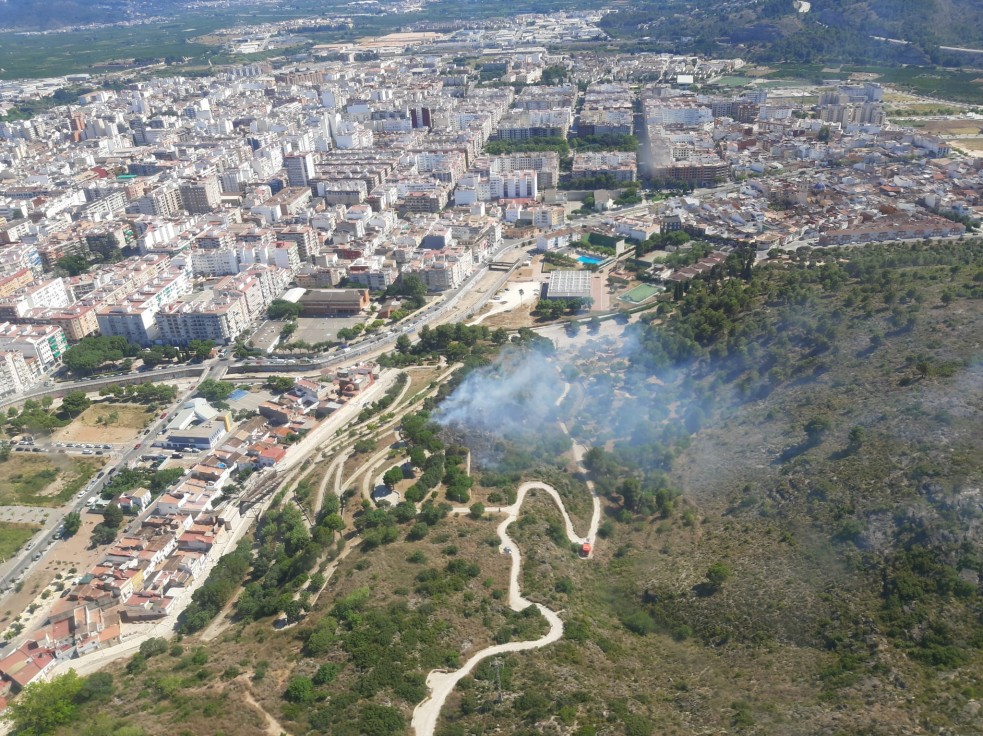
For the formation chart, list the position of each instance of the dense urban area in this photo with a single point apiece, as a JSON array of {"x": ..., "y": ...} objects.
[{"x": 401, "y": 383}]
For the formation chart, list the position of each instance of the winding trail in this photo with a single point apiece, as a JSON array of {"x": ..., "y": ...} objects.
[{"x": 441, "y": 682}]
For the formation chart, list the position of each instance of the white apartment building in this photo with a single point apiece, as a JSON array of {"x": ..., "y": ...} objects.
[
  {"x": 50, "y": 294},
  {"x": 163, "y": 201},
  {"x": 214, "y": 261},
  {"x": 514, "y": 185},
  {"x": 17, "y": 374},
  {"x": 217, "y": 316},
  {"x": 546, "y": 218},
  {"x": 135, "y": 317},
  {"x": 43, "y": 343},
  {"x": 448, "y": 270}
]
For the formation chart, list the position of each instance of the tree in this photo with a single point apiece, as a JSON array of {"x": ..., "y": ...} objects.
[
  {"x": 857, "y": 437},
  {"x": 572, "y": 328},
  {"x": 403, "y": 344},
  {"x": 412, "y": 287},
  {"x": 279, "y": 384},
  {"x": 215, "y": 390},
  {"x": 717, "y": 574},
  {"x": 44, "y": 706},
  {"x": 112, "y": 516},
  {"x": 73, "y": 265},
  {"x": 282, "y": 309},
  {"x": 816, "y": 428},
  {"x": 72, "y": 523},
  {"x": 392, "y": 477},
  {"x": 594, "y": 325},
  {"x": 201, "y": 349},
  {"x": 300, "y": 690},
  {"x": 477, "y": 510},
  {"x": 75, "y": 402}
]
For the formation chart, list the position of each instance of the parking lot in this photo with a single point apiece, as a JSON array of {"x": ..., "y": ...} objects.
[{"x": 320, "y": 329}]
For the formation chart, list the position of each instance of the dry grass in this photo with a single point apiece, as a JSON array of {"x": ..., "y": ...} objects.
[
  {"x": 44, "y": 480},
  {"x": 969, "y": 144},
  {"x": 104, "y": 422}
]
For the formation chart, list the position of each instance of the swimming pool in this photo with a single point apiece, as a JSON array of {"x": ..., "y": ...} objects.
[{"x": 590, "y": 260}]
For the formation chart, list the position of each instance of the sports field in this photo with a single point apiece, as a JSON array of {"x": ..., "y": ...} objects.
[{"x": 640, "y": 293}]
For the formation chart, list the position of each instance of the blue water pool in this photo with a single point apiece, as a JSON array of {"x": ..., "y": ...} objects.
[{"x": 590, "y": 260}]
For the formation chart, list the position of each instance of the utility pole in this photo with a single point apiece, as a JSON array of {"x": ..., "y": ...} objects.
[{"x": 497, "y": 664}]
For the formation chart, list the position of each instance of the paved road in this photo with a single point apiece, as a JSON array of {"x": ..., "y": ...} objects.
[
  {"x": 16, "y": 568},
  {"x": 166, "y": 627}
]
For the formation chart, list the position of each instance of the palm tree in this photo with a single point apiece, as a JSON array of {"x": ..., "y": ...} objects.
[{"x": 522, "y": 293}]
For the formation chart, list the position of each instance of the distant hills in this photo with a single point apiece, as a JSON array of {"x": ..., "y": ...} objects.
[
  {"x": 831, "y": 30},
  {"x": 765, "y": 30},
  {"x": 34, "y": 15}
]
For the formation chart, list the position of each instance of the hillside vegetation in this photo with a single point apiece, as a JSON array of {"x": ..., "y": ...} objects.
[{"x": 790, "y": 466}]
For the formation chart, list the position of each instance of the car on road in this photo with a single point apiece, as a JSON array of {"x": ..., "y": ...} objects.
[
  {"x": 37, "y": 557},
  {"x": 88, "y": 452}
]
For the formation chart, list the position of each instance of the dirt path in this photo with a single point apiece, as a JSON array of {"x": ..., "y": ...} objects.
[
  {"x": 333, "y": 471},
  {"x": 273, "y": 727},
  {"x": 441, "y": 682}
]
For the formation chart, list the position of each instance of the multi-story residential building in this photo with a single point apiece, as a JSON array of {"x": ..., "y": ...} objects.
[
  {"x": 13, "y": 281},
  {"x": 135, "y": 317},
  {"x": 109, "y": 241},
  {"x": 304, "y": 237},
  {"x": 50, "y": 294},
  {"x": 43, "y": 343},
  {"x": 547, "y": 217},
  {"x": 619, "y": 165},
  {"x": 217, "y": 316},
  {"x": 77, "y": 320},
  {"x": 201, "y": 196},
  {"x": 606, "y": 122},
  {"x": 515, "y": 185},
  {"x": 546, "y": 165},
  {"x": 17, "y": 374},
  {"x": 300, "y": 168},
  {"x": 376, "y": 278},
  {"x": 521, "y": 125},
  {"x": 214, "y": 261},
  {"x": 164, "y": 201}
]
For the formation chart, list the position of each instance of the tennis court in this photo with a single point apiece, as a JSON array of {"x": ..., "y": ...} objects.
[{"x": 640, "y": 293}]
